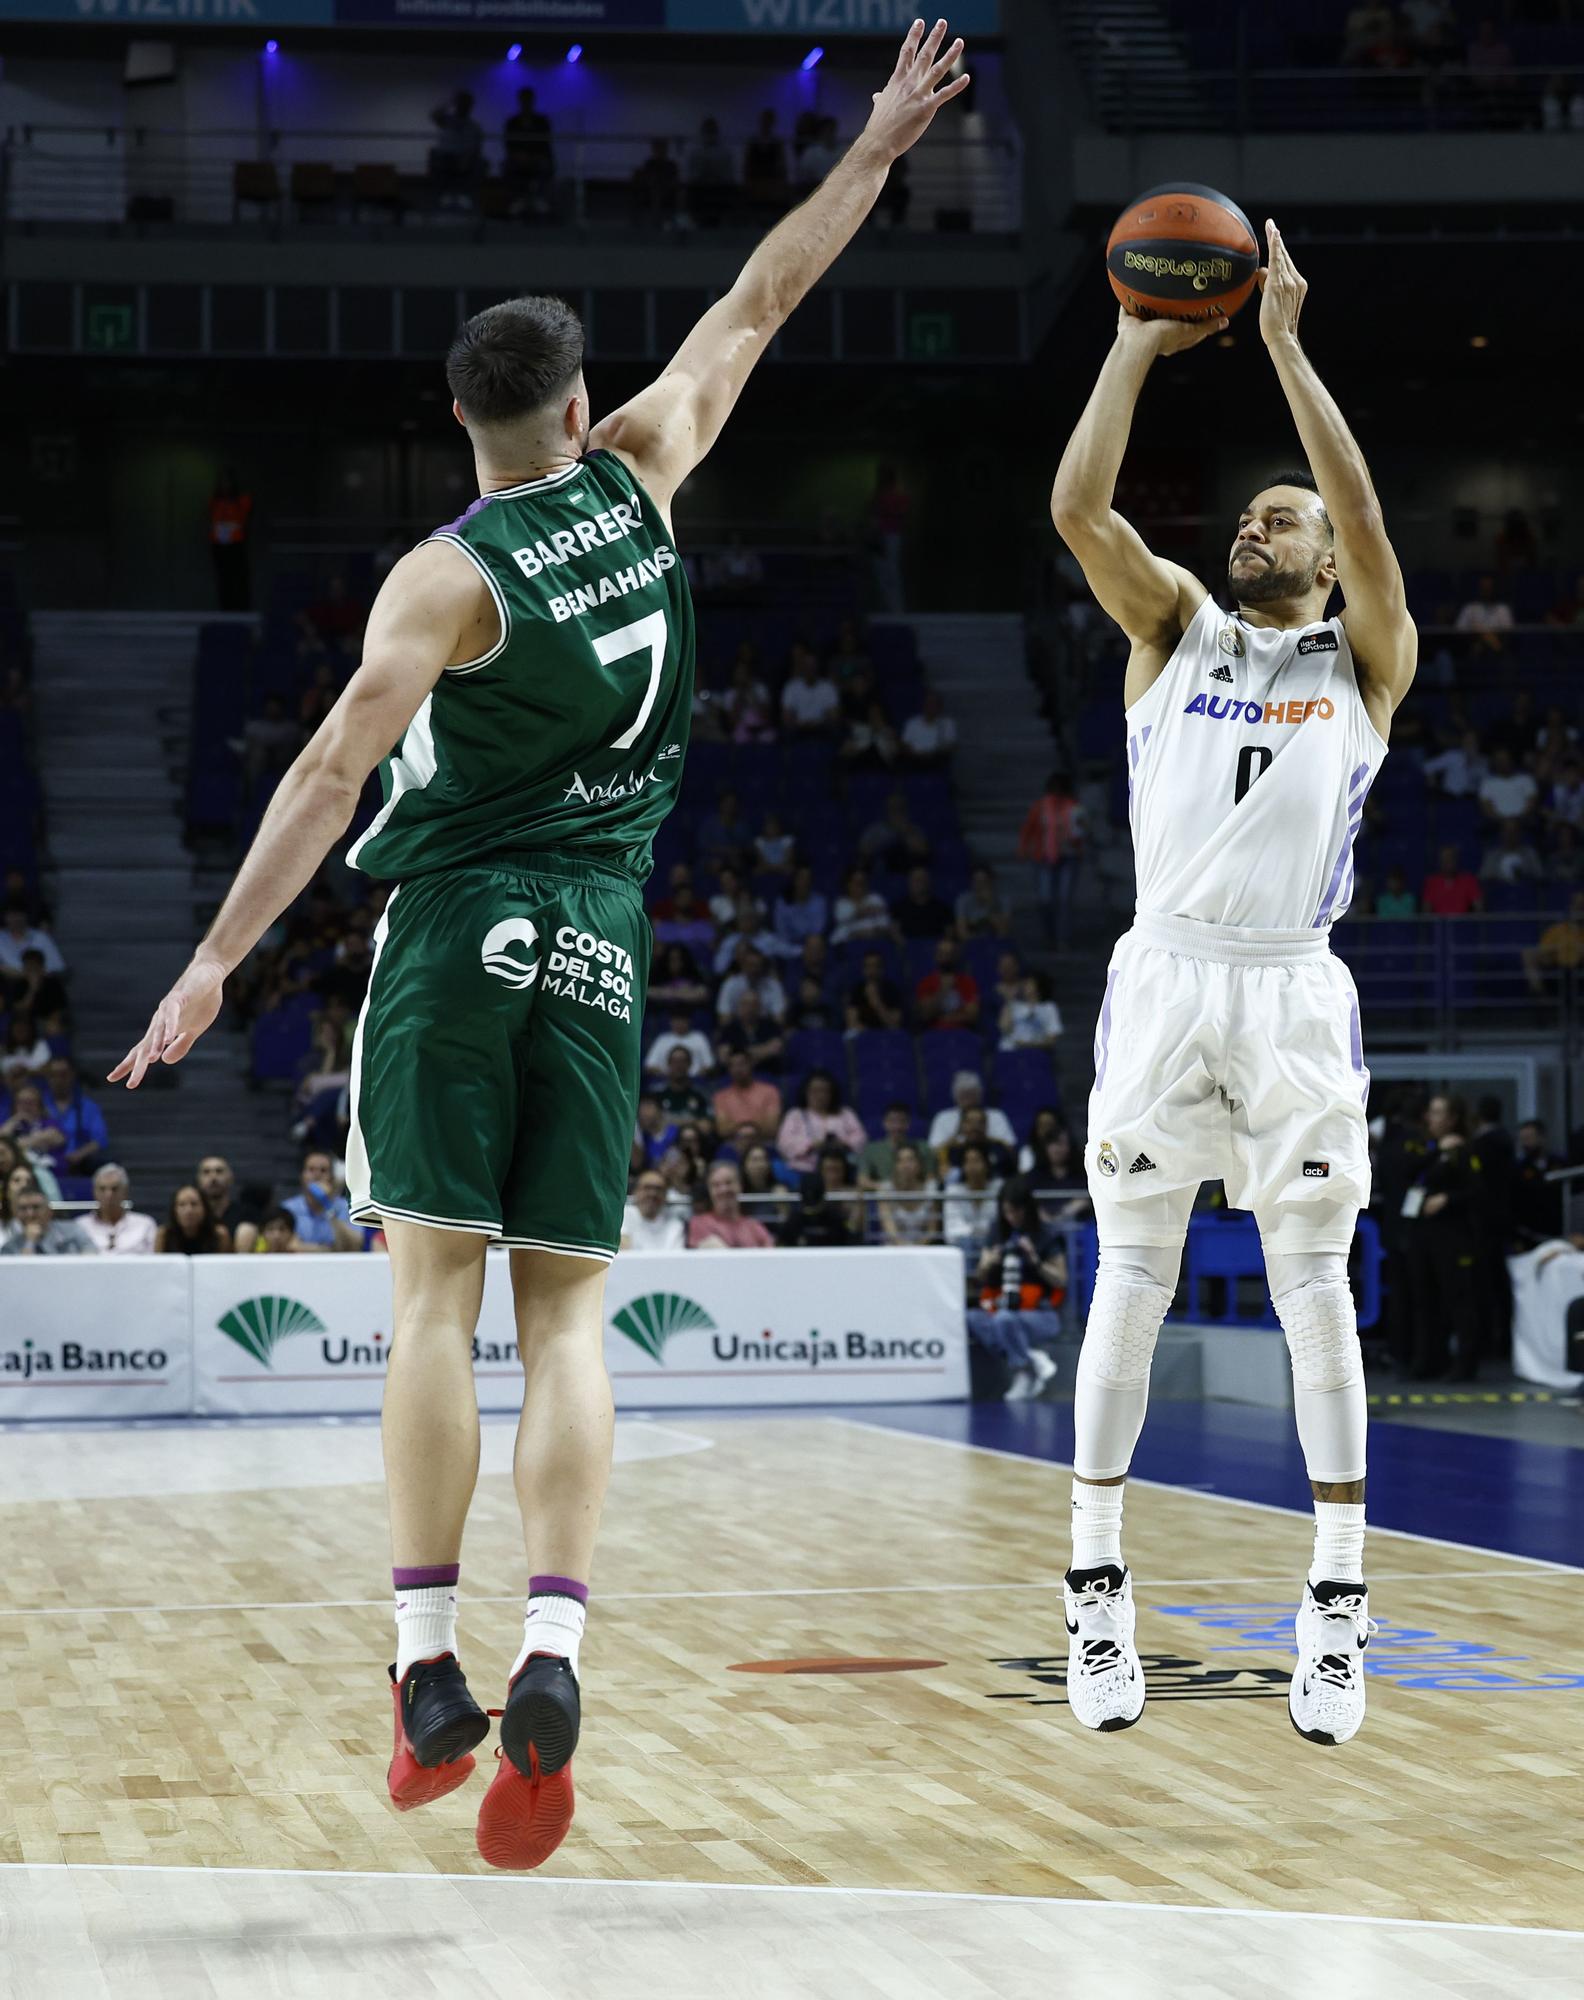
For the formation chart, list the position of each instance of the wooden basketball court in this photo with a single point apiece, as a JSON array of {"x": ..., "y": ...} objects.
[{"x": 194, "y": 1630}]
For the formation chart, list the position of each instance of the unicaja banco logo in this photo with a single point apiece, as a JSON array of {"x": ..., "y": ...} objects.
[
  {"x": 649, "y": 1322},
  {"x": 519, "y": 971},
  {"x": 258, "y": 1324}
]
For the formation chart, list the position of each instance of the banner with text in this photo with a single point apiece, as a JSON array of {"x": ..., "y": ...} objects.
[
  {"x": 813, "y": 18},
  {"x": 95, "y": 1337},
  {"x": 275, "y": 1335}
]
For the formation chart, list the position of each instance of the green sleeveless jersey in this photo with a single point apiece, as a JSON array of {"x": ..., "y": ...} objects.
[{"x": 570, "y": 733}]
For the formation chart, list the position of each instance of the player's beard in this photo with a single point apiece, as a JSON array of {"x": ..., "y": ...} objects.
[{"x": 1260, "y": 581}]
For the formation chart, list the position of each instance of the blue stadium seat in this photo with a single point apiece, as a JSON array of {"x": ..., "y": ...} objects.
[
  {"x": 281, "y": 1045},
  {"x": 817, "y": 1048},
  {"x": 942, "y": 1052}
]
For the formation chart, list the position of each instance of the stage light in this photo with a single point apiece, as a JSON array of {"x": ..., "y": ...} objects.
[
  {"x": 514, "y": 53},
  {"x": 575, "y": 53},
  {"x": 812, "y": 59},
  {"x": 272, "y": 47}
]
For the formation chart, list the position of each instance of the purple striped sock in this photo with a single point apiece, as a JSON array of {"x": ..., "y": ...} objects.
[
  {"x": 425, "y": 1576},
  {"x": 557, "y": 1586}
]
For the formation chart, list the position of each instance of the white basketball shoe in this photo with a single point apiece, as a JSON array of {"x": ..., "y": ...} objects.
[
  {"x": 1326, "y": 1699},
  {"x": 1105, "y": 1678}
]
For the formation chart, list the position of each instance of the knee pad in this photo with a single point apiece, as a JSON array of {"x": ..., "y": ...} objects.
[
  {"x": 1133, "y": 1290},
  {"x": 1314, "y": 1303}
]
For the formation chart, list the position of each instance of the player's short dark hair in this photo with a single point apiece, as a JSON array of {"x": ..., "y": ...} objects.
[
  {"x": 512, "y": 359},
  {"x": 1301, "y": 476}
]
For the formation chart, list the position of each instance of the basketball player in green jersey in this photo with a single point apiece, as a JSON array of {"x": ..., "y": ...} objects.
[{"x": 532, "y": 664}]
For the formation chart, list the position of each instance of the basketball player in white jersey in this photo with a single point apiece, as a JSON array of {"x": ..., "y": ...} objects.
[{"x": 1228, "y": 1045}]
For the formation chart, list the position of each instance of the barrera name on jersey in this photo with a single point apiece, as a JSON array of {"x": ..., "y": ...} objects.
[
  {"x": 1249, "y": 761},
  {"x": 569, "y": 735}
]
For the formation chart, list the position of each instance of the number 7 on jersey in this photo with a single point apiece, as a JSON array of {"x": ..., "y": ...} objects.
[{"x": 647, "y": 632}]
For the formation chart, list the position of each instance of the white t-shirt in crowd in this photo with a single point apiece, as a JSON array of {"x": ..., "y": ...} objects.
[
  {"x": 810, "y": 701},
  {"x": 12, "y": 948},
  {"x": 943, "y": 1128},
  {"x": 928, "y": 739},
  {"x": 1456, "y": 772},
  {"x": 668, "y": 1231},
  {"x": 1478, "y": 616},
  {"x": 1033, "y": 1022},
  {"x": 1509, "y": 797},
  {"x": 132, "y": 1236},
  {"x": 695, "y": 1042}
]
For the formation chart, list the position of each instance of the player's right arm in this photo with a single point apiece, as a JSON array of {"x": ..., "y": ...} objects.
[
  {"x": 666, "y": 429},
  {"x": 1151, "y": 599},
  {"x": 423, "y": 621}
]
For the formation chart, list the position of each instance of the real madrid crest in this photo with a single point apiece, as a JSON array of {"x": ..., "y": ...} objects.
[
  {"x": 1232, "y": 641},
  {"x": 1106, "y": 1159}
]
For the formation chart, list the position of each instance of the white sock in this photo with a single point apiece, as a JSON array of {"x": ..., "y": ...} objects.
[
  {"x": 426, "y": 1624},
  {"x": 1096, "y": 1525},
  {"x": 553, "y": 1625},
  {"x": 1339, "y": 1543}
]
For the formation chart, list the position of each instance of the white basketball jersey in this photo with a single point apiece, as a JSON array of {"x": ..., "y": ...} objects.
[{"x": 1248, "y": 765}]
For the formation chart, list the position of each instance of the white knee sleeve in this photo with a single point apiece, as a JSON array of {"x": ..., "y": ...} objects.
[
  {"x": 1133, "y": 1290},
  {"x": 1314, "y": 1303}
]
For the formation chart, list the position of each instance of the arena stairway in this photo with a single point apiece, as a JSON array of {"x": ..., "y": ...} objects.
[
  {"x": 114, "y": 694},
  {"x": 1134, "y": 65}
]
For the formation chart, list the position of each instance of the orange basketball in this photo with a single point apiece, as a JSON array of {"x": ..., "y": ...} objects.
[{"x": 1182, "y": 252}]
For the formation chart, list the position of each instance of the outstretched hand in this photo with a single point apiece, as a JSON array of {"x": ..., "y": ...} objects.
[
  {"x": 1161, "y": 335},
  {"x": 1282, "y": 290},
  {"x": 917, "y": 89},
  {"x": 180, "y": 1018}
]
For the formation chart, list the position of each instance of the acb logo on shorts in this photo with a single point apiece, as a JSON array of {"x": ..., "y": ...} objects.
[
  {"x": 516, "y": 971},
  {"x": 1106, "y": 1159}
]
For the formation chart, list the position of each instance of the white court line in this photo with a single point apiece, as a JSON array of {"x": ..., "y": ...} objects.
[
  {"x": 793, "y": 1590},
  {"x": 788, "y": 1889},
  {"x": 1225, "y": 1499}
]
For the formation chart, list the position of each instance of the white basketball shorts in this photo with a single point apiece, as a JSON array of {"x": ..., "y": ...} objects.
[{"x": 1230, "y": 1055}]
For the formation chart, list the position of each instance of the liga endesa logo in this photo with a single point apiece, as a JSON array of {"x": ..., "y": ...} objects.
[{"x": 650, "y": 1321}]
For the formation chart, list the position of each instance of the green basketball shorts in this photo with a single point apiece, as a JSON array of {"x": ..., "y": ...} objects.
[{"x": 496, "y": 1064}]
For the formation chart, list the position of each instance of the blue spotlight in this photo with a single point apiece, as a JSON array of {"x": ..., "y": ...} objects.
[
  {"x": 514, "y": 53},
  {"x": 812, "y": 59},
  {"x": 575, "y": 53},
  {"x": 272, "y": 47}
]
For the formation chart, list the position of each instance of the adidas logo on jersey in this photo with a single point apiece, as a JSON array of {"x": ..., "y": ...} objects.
[
  {"x": 1143, "y": 1165},
  {"x": 1222, "y": 673}
]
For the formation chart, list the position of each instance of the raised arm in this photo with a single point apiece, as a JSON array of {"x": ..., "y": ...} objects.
[
  {"x": 1382, "y": 635},
  {"x": 1150, "y": 598},
  {"x": 419, "y": 625},
  {"x": 670, "y": 426}
]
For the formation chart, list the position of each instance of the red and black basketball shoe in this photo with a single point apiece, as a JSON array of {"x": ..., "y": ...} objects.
[
  {"x": 437, "y": 1724},
  {"x": 528, "y": 1808}
]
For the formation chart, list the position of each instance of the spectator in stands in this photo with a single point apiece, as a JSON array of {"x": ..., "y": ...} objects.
[
  {"x": 189, "y": 1230},
  {"x": 1369, "y": 35},
  {"x": 775, "y": 850},
  {"x": 1054, "y": 1177},
  {"x": 1562, "y": 110},
  {"x": 684, "y": 1177},
  {"x": 750, "y": 716},
  {"x": 873, "y": 1000},
  {"x": 968, "y": 1212},
  {"x": 981, "y": 910},
  {"x": 907, "y": 1211},
  {"x": 1439, "y": 1248},
  {"x": 1565, "y": 859},
  {"x": 26, "y": 1052},
  {"x": 724, "y": 1226},
  {"x": 18, "y": 936},
  {"x": 877, "y": 1159},
  {"x": 276, "y": 1235},
  {"x": 68, "y": 1107},
  {"x": 764, "y": 173},
  {"x": 230, "y": 517},
  {"x": 1489, "y": 57},
  {"x": 115, "y": 1229},
  {"x": 20, "y": 1176},
  {"x": 849, "y": 659},
  {"x": 217, "y": 1184},
  {"x": 711, "y": 175},
  {"x": 752, "y": 1031},
  {"x": 656, "y": 187},
  {"x": 810, "y": 701},
  {"x": 974, "y": 1130},
  {"x": 753, "y": 975},
  {"x": 654, "y": 1134},
  {"x": 745, "y": 1099},
  {"x": 817, "y": 1118},
  {"x": 648, "y": 1221},
  {"x": 967, "y": 1091},
  {"x": 930, "y": 736},
  {"x": 681, "y": 1034},
  {"x": 36, "y": 1136},
  {"x": 456, "y": 159},
  {"x": 528, "y": 150},
  {"x": 1030, "y": 1019},
  {"x": 34, "y": 1232},
  {"x": 815, "y": 157},
  {"x": 1486, "y": 617},
  {"x": 1024, "y": 1256},
  {"x": 678, "y": 983},
  {"x": 800, "y": 910},
  {"x": 1510, "y": 858},
  {"x": 1537, "y": 1201},
  {"x": 1506, "y": 792},
  {"x": 1046, "y": 1122},
  {"x": 1555, "y": 745},
  {"x": 810, "y": 1006},
  {"x": 1452, "y": 891},
  {"x": 922, "y": 914},
  {"x": 825, "y": 1217},
  {"x": 763, "y": 1174},
  {"x": 1052, "y": 838},
  {"x": 680, "y": 1096},
  {"x": 895, "y": 841},
  {"x": 1560, "y": 949},
  {"x": 723, "y": 838},
  {"x": 1458, "y": 768},
  {"x": 40, "y": 993},
  {"x": 890, "y": 506},
  {"x": 323, "y": 1218},
  {"x": 862, "y": 912},
  {"x": 869, "y": 743},
  {"x": 947, "y": 996},
  {"x": 746, "y": 933},
  {"x": 1396, "y": 899}
]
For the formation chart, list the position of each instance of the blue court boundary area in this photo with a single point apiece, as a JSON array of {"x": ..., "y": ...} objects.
[{"x": 1491, "y": 1493}]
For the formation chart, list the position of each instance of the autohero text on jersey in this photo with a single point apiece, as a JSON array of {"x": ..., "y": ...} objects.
[
  {"x": 1225, "y": 708},
  {"x": 565, "y": 545}
]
